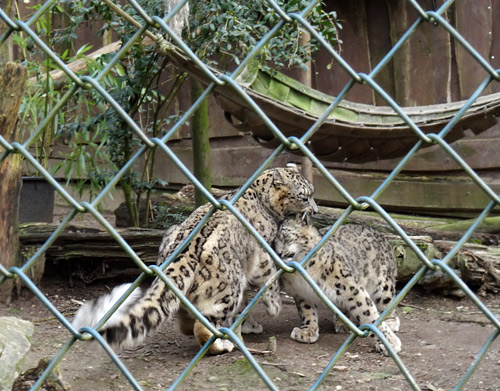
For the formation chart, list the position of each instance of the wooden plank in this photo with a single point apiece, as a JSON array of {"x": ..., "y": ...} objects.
[
  {"x": 379, "y": 43},
  {"x": 474, "y": 23},
  {"x": 398, "y": 19},
  {"x": 437, "y": 195},
  {"x": 354, "y": 50},
  {"x": 480, "y": 153},
  {"x": 494, "y": 55},
  {"x": 424, "y": 60},
  {"x": 232, "y": 161}
]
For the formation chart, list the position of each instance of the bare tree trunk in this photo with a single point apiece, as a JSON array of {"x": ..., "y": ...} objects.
[{"x": 12, "y": 84}]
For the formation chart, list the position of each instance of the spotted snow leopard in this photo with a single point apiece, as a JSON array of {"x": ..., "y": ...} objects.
[
  {"x": 214, "y": 270},
  {"x": 355, "y": 269}
]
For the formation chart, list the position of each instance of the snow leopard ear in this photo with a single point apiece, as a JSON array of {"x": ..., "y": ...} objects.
[
  {"x": 277, "y": 177},
  {"x": 292, "y": 166}
]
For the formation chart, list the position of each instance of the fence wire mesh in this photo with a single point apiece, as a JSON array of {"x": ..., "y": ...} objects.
[{"x": 158, "y": 28}]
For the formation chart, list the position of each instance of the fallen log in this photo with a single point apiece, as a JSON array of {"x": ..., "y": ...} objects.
[
  {"x": 478, "y": 265},
  {"x": 433, "y": 227},
  {"x": 79, "y": 243},
  {"x": 489, "y": 225},
  {"x": 91, "y": 254}
]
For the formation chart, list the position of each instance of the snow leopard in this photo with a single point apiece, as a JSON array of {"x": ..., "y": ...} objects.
[
  {"x": 215, "y": 269},
  {"x": 355, "y": 269}
]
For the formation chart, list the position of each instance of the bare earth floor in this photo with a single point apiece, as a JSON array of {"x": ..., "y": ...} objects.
[{"x": 440, "y": 337}]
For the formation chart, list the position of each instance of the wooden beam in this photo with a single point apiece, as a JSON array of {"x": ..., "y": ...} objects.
[
  {"x": 76, "y": 66},
  {"x": 439, "y": 195}
]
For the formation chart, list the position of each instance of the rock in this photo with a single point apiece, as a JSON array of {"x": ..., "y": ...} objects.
[
  {"x": 28, "y": 379},
  {"x": 15, "y": 343}
]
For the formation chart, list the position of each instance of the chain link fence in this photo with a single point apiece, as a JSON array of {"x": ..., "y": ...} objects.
[{"x": 158, "y": 27}]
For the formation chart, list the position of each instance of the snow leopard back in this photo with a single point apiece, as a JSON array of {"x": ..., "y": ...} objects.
[{"x": 355, "y": 268}]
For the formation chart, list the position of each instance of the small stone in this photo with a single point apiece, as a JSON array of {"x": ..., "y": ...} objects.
[
  {"x": 272, "y": 345},
  {"x": 351, "y": 356}
]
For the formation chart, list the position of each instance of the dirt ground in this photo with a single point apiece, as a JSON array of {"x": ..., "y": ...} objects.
[{"x": 440, "y": 337}]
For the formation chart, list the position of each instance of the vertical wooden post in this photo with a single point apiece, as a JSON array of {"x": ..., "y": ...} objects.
[
  {"x": 305, "y": 77},
  {"x": 201, "y": 144},
  {"x": 12, "y": 85},
  {"x": 6, "y": 49},
  {"x": 13, "y": 79}
]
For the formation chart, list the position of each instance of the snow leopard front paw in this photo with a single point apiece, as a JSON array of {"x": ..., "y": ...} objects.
[
  {"x": 202, "y": 335},
  {"x": 251, "y": 326},
  {"x": 272, "y": 300},
  {"x": 393, "y": 323},
  {"x": 221, "y": 346},
  {"x": 391, "y": 338},
  {"x": 396, "y": 345},
  {"x": 305, "y": 334},
  {"x": 339, "y": 327}
]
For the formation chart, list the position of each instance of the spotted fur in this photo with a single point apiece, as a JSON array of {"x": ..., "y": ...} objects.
[
  {"x": 217, "y": 266},
  {"x": 355, "y": 269}
]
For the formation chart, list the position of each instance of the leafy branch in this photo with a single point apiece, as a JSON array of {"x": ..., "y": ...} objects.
[{"x": 143, "y": 82}]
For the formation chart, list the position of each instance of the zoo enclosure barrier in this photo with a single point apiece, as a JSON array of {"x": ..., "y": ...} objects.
[{"x": 165, "y": 36}]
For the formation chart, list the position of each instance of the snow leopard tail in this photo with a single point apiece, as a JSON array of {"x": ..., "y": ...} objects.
[{"x": 138, "y": 316}]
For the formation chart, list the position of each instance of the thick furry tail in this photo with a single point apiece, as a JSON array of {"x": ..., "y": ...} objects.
[
  {"x": 89, "y": 314},
  {"x": 136, "y": 318}
]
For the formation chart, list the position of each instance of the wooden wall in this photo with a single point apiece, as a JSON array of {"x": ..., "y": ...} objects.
[{"x": 430, "y": 68}]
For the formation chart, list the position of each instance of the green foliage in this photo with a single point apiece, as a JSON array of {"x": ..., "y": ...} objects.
[
  {"x": 42, "y": 94},
  {"x": 164, "y": 216},
  {"x": 233, "y": 28},
  {"x": 143, "y": 83},
  {"x": 99, "y": 141}
]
